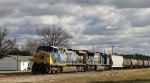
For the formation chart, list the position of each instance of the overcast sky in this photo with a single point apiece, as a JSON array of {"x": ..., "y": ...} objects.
[{"x": 102, "y": 23}]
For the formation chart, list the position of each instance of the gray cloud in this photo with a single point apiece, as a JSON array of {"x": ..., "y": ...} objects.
[
  {"x": 116, "y": 3},
  {"x": 137, "y": 17},
  {"x": 103, "y": 23},
  {"x": 5, "y": 12},
  {"x": 130, "y": 4}
]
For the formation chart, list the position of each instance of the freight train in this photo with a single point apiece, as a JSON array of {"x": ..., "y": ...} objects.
[{"x": 48, "y": 59}]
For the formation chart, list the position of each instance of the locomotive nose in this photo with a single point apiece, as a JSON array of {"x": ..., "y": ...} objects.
[{"x": 42, "y": 55}]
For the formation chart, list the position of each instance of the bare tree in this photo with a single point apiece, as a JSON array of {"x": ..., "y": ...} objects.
[
  {"x": 54, "y": 35},
  {"x": 5, "y": 44},
  {"x": 31, "y": 45}
]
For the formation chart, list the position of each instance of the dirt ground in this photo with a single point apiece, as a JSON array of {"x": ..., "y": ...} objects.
[{"x": 124, "y": 76}]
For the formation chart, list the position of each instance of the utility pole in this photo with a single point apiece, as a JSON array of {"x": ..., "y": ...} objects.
[
  {"x": 93, "y": 47},
  {"x": 17, "y": 57},
  {"x": 112, "y": 49},
  {"x": 104, "y": 50}
]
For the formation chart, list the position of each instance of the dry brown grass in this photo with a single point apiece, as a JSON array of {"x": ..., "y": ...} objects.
[
  {"x": 114, "y": 76},
  {"x": 140, "y": 76}
]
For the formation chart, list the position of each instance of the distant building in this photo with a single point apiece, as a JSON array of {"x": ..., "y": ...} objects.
[{"x": 10, "y": 63}]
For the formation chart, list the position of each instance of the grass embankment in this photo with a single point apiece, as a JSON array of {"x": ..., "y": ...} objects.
[{"x": 121, "y": 76}]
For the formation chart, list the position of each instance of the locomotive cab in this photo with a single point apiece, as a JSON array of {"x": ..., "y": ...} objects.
[{"x": 43, "y": 59}]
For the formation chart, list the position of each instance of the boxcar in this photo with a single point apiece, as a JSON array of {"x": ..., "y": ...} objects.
[{"x": 117, "y": 61}]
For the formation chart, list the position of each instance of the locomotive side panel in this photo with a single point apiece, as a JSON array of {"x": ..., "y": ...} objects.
[
  {"x": 67, "y": 57},
  {"x": 97, "y": 58},
  {"x": 104, "y": 59}
]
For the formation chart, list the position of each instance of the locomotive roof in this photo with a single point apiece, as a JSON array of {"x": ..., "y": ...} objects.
[{"x": 47, "y": 48}]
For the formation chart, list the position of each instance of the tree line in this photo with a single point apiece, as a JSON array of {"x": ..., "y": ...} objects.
[
  {"x": 136, "y": 56},
  {"x": 51, "y": 35}
]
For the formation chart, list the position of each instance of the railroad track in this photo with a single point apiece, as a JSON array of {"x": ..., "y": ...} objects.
[{"x": 21, "y": 74}]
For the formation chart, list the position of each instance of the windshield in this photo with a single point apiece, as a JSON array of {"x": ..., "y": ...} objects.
[{"x": 47, "y": 49}]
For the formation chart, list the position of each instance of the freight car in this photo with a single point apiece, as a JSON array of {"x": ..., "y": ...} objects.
[
  {"x": 52, "y": 59},
  {"x": 121, "y": 62},
  {"x": 117, "y": 61},
  {"x": 146, "y": 63}
]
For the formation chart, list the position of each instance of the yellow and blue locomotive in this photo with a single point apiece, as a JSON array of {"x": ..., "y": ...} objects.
[{"x": 44, "y": 58}]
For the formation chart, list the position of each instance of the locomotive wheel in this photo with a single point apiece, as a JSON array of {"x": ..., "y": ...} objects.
[
  {"x": 85, "y": 69},
  {"x": 45, "y": 71},
  {"x": 82, "y": 69},
  {"x": 61, "y": 70},
  {"x": 34, "y": 69},
  {"x": 51, "y": 71},
  {"x": 95, "y": 67},
  {"x": 105, "y": 68},
  {"x": 78, "y": 69},
  {"x": 56, "y": 71}
]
